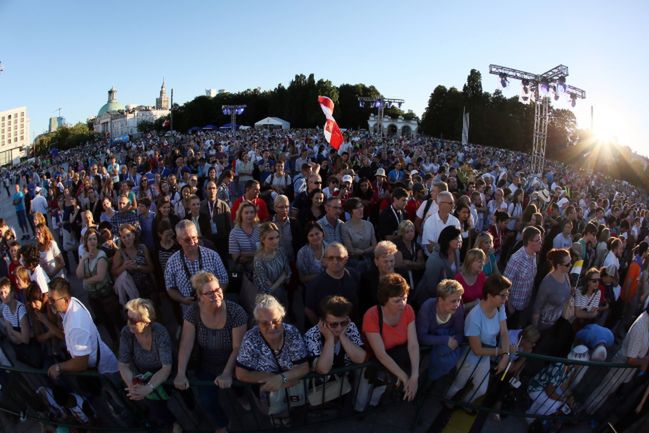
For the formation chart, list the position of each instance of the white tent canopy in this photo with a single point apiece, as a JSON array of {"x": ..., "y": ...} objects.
[{"x": 273, "y": 122}]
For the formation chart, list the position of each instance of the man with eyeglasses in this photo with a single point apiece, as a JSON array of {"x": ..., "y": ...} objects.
[
  {"x": 214, "y": 219},
  {"x": 191, "y": 259},
  {"x": 82, "y": 339},
  {"x": 336, "y": 280},
  {"x": 438, "y": 221},
  {"x": 313, "y": 182},
  {"x": 521, "y": 271}
]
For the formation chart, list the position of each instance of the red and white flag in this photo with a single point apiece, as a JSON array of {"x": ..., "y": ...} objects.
[{"x": 332, "y": 132}]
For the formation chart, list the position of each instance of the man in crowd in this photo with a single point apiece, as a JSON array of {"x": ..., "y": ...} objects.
[
  {"x": 251, "y": 194},
  {"x": 521, "y": 271},
  {"x": 392, "y": 216},
  {"x": 438, "y": 221},
  {"x": 331, "y": 221},
  {"x": 215, "y": 220}
]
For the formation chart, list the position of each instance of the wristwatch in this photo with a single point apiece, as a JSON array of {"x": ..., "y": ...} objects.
[{"x": 284, "y": 378}]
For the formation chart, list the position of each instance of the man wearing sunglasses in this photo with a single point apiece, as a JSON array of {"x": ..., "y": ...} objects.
[{"x": 335, "y": 280}]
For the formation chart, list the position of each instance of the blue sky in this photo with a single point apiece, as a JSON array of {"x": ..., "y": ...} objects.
[{"x": 69, "y": 53}]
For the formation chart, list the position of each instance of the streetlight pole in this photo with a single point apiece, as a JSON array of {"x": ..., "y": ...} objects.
[
  {"x": 380, "y": 103},
  {"x": 233, "y": 111},
  {"x": 539, "y": 88}
]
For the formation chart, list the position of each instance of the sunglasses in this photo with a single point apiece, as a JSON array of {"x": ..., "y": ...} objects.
[{"x": 336, "y": 325}]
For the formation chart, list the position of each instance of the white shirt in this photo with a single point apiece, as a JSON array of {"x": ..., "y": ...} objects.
[
  {"x": 432, "y": 209},
  {"x": 39, "y": 204},
  {"x": 612, "y": 260},
  {"x": 433, "y": 227},
  {"x": 82, "y": 337}
]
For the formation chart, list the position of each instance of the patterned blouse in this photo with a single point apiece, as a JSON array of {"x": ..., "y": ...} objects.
[
  {"x": 268, "y": 270},
  {"x": 314, "y": 343},
  {"x": 256, "y": 355},
  {"x": 130, "y": 351},
  {"x": 307, "y": 264},
  {"x": 215, "y": 344}
]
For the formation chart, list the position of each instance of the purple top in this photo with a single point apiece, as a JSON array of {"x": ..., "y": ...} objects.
[{"x": 431, "y": 333}]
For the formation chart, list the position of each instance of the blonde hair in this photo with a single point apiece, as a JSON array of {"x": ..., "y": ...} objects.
[
  {"x": 403, "y": 226},
  {"x": 384, "y": 248},
  {"x": 471, "y": 256},
  {"x": 482, "y": 238},
  {"x": 264, "y": 230},
  {"x": 22, "y": 273},
  {"x": 143, "y": 307},
  {"x": 239, "y": 214},
  {"x": 447, "y": 287},
  {"x": 201, "y": 278}
]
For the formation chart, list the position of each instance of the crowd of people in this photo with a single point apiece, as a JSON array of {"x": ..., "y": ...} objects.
[{"x": 280, "y": 256}]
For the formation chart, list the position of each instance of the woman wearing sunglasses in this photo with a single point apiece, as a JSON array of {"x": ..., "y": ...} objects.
[
  {"x": 335, "y": 341},
  {"x": 587, "y": 299}
]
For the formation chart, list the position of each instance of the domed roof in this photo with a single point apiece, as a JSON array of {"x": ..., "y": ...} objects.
[{"x": 112, "y": 104}]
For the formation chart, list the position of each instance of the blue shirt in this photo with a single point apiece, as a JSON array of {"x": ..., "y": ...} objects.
[
  {"x": 477, "y": 324},
  {"x": 21, "y": 205}
]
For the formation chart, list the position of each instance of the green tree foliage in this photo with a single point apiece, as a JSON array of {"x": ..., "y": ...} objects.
[{"x": 63, "y": 138}]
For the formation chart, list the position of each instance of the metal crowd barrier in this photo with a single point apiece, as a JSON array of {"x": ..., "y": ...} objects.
[{"x": 98, "y": 402}]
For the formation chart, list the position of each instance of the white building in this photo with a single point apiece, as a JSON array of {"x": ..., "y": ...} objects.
[
  {"x": 14, "y": 134},
  {"x": 393, "y": 127},
  {"x": 115, "y": 120}
]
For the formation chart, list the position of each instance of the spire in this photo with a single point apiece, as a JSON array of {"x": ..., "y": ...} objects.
[{"x": 163, "y": 88}]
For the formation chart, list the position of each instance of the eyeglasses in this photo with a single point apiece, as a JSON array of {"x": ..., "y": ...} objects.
[
  {"x": 54, "y": 300},
  {"x": 336, "y": 258},
  {"x": 335, "y": 325},
  {"x": 447, "y": 202},
  {"x": 503, "y": 294},
  {"x": 268, "y": 323},
  {"x": 213, "y": 292},
  {"x": 317, "y": 182},
  {"x": 134, "y": 321}
]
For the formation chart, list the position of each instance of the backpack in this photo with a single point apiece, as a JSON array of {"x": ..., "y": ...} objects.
[{"x": 288, "y": 189}]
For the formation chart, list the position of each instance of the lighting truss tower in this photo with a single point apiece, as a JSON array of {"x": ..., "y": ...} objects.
[
  {"x": 539, "y": 88},
  {"x": 233, "y": 111},
  {"x": 380, "y": 103}
]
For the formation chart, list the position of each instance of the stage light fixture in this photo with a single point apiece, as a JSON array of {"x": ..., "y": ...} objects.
[
  {"x": 561, "y": 85},
  {"x": 526, "y": 88},
  {"x": 503, "y": 80}
]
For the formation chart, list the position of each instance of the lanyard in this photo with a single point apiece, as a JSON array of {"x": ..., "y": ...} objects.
[{"x": 186, "y": 268}]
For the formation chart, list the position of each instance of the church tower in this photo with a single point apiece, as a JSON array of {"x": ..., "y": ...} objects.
[{"x": 162, "y": 103}]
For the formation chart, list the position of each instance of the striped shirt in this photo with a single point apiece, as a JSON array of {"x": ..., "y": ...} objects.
[
  {"x": 242, "y": 242},
  {"x": 13, "y": 317}
]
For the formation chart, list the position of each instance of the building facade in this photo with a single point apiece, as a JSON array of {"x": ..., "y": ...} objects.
[
  {"x": 14, "y": 134},
  {"x": 116, "y": 121},
  {"x": 398, "y": 127}
]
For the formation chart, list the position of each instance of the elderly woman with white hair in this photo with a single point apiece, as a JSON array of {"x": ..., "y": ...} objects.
[
  {"x": 145, "y": 360},
  {"x": 273, "y": 354}
]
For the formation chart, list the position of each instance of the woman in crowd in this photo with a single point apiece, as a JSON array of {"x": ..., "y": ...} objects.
[
  {"x": 440, "y": 324},
  {"x": 310, "y": 256},
  {"x": 14, "y": 322},
  {"x": 273, "y": 354},
  {"x": 93, "y": 271},
  {"x": 440, "y": 264},
  {"x": 218, "y": 327},
  {"x": 484, "y": 241},
  {"x": 47, "y": 326},
  {"x": 30, "y": 257},
  {"x": 630, "y": 293},
  {"x": 587, "y": 299},
  {"x": 224, "y": 182},
  {"x": 315, "y": 210},
  {"x": 242, "y": 245},
  {"x": 244, "y": 168},
  {"x": 87, "y": 220},
  {"x": 392, "y": 335},
  {"x": 601, "y": 250},
  {"x": 515, "y": 211},
  {"x": 335, "y": 341},
  {"x": 463, "y": 214},
  {"x": 167, "y": 241},
  {"x": 133, "y": 257},
  {"x": 144, "y": 190},
  {"x": 484, "y": 326},
  {"x": 145, "y": 359},
  {"x": 180, "y": 209},
  {"x": 409, "y": 260},
  {"x": 108, "y": 211},
  {"x": 164, "y": 211},
  {"x": 358, "y": 236},
  {"x": 365, "y": 192},
  {"x": 472, "y": 278},
  {"x": 51, "y": 259},
  {"x": 554, "y": 291},
  {"x": 271, "y": 270},
  {"x": 564, "y": 238}
]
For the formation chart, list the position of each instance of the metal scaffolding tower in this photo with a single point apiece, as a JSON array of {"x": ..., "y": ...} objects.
[
  {"x": 381, "y": 104},
  {"x": 539, "y": 88}
]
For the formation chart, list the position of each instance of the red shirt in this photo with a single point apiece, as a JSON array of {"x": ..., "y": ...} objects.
[
  {"x": 411, "y": 208},
  {"x": 262, "y": 209},
  {"x": 474, "y": 291},
  {"x": 392, "y": 335}
]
